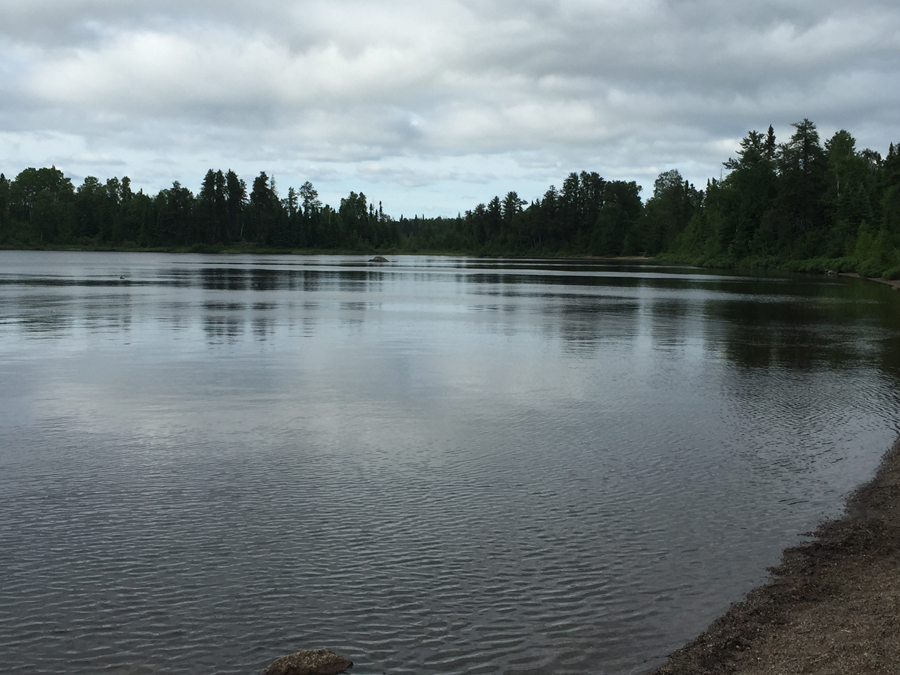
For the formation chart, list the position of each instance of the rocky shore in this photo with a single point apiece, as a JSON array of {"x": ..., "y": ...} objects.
[{"x": 832, "y": 605}]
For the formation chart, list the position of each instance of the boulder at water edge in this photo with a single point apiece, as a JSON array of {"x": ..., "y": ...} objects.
[
  {"x": 379, "y": 258},
  {"x": 309, "y": 662}
]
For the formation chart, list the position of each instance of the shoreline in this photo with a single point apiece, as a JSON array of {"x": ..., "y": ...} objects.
[
  {"x": 231, "y": 249},
  {"x": 893, "y": 283},
  {"x": 831, "y": 606}
]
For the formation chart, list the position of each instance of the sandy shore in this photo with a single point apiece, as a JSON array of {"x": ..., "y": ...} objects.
[
  {"x": 832, "y": 605},
  {"x": 893, "y": 283}
]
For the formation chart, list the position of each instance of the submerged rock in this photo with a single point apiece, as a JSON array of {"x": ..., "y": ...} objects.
[
  {"x": 309, "y": 662},
  {"x": 379, "y": 258}
]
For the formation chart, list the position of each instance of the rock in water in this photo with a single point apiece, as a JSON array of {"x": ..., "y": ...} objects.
[
  {"x": 379, "y": 258},
  {"x": 309, "y": 662}
]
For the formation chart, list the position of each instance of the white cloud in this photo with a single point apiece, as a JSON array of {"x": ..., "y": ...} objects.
[{"x": 343, "y": 87}]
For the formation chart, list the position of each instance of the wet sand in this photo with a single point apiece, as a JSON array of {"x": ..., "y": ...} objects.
[{"x": 832, "y": 605}]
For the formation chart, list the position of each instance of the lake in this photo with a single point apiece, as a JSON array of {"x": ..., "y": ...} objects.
[{"x": 434, "y": 465}]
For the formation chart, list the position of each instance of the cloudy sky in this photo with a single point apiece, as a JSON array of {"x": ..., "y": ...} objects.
[{"x": 432, "y": 106}]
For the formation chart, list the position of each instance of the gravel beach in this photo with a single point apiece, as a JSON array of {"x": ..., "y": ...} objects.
[{"x": 832, "y": 605}]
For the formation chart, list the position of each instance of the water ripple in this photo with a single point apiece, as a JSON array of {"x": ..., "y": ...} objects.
[{"x": 429, "y": 470}]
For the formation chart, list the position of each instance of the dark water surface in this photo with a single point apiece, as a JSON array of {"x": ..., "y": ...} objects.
[{"x": 439, "y": 465}]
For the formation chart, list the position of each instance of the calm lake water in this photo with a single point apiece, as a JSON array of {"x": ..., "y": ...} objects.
[{"x": 438, "y": 465}]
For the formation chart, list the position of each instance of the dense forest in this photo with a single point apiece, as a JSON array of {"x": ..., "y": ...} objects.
[{"x": 798, "y": 204}]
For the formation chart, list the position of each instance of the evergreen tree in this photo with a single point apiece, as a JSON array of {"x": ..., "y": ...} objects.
[
  {"x": 802, "y": 167},
  {"x": 747, "y": 195},
  {"x": 175, "y": 216},
  {"x": 355, "y": 216},
  {"x": 309, "y": 200},
  {"x": 235, "y": 199},
  {"x": 265, "y": 211},
  {"x": 621, "y": 208},
  {"x": 665, "y": 215},
  {"x": 4, "y": 207}
]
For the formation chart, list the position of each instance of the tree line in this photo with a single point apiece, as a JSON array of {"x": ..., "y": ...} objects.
[
  {"x": 41, "y": 207},
  {"x": 800, "y": 204}
]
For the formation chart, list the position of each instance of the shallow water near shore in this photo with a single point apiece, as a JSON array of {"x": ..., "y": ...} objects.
[{"x": 435, "y": 465}]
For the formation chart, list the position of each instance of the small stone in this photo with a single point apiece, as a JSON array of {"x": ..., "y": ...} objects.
[{"x": 309, "y": 662}]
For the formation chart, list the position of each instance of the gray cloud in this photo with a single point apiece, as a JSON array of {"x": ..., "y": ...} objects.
[{"x": 417, "y": 100}]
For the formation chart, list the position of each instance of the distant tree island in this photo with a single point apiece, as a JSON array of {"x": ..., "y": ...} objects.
[{"x": 794, "y": 205}]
